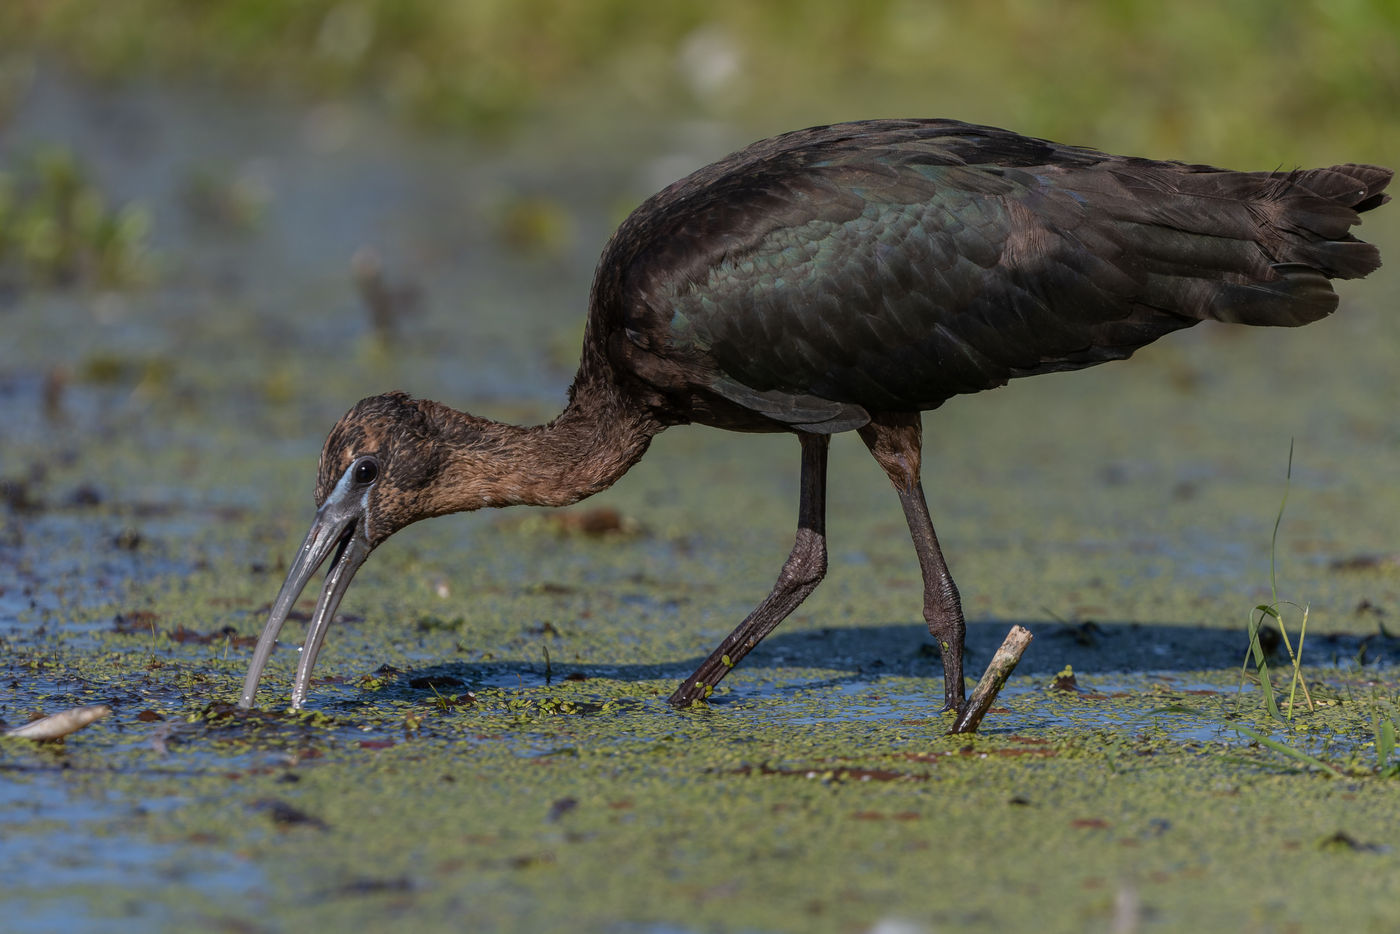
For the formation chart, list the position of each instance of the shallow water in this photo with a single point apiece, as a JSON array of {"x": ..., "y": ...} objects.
[{"x": 488, "y": 743}]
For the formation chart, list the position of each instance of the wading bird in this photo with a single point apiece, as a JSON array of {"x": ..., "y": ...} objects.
[{"x": 847, "y": 278}]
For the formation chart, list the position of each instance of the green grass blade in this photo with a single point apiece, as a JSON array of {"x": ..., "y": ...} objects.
[
  {"x": 1297, "y": 661},
  {"x": 1278, "y": 520},
  {"x": 1289, "y": 751},
  {"x": 1261, "y": 663},
  {"x": 1385, "y": 741}
]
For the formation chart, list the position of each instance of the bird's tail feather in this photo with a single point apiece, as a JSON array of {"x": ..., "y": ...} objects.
[
  {"x": 1315, "y": 210},
  {"x": 1253, "y": 247}
]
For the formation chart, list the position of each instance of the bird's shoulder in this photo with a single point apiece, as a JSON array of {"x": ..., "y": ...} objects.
[{"x": 828, "y": 174}]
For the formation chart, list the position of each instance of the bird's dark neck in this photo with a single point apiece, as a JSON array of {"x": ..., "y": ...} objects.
[{"x": 592, "y": 443}]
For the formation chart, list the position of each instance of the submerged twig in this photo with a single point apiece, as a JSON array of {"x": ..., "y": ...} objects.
[
  {"x": 1003, "y": 663},
  {"x": 56, "y": 726}
]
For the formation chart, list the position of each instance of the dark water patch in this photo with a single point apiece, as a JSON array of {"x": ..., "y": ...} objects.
[{"x": 905, "y": 650}]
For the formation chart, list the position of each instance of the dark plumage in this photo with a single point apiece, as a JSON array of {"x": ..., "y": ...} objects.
[{"x": 850, "y": 277}]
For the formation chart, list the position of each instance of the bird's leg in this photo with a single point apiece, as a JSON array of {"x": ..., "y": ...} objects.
[
  {"x": 942, "y": 604},
  {"x": 895, "y": 441},
  {"x": 801, "y": 573}
]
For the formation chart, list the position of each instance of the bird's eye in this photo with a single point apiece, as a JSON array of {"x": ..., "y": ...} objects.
[{"x": 365, "y": 471}]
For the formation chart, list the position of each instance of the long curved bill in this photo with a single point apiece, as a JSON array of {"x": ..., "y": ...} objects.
[{"x": 337, "y": 532}]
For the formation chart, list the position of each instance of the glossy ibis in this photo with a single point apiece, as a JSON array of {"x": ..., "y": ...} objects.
[{"x": 847, "y": 278}]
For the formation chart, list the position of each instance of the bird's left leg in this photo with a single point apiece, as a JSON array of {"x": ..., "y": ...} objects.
[
  {"x": 895, "y": 440},
  {"x": 803, "y": 570}
]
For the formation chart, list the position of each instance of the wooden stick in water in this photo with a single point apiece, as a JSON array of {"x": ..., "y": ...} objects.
[{"x": 1002, "y": 664}]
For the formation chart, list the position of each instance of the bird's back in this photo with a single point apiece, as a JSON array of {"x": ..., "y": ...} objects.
[{"x": 814, "y": 278}]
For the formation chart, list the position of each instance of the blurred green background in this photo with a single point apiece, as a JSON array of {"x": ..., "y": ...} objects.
[{"x": 1255, "y": 82}]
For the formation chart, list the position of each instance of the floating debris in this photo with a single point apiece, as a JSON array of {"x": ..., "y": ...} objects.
[
  {"x": 1065, "y": 681},
  {"x": 560, "y": 808},
  {"x": 1366, "y": 562},
  {"x": 59, "y": 725},
  {"x": 1341, "y": 840},
  {"x": 603, "y": 521},
  {"x": 284, "y": 814},
  {"x": 388, "y": 303}
]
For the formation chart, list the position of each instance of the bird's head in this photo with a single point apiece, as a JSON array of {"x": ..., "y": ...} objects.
[
  {"x": 377, "y": 474},
  {"x": 381, "y": 463}
]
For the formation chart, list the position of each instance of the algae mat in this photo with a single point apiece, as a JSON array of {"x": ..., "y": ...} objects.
[{"x": 487, "y": 745}]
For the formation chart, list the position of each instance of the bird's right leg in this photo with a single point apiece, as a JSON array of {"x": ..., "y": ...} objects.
[
  {"x": 895, "y": 440},
  {"x": 801, "y": 573}
]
